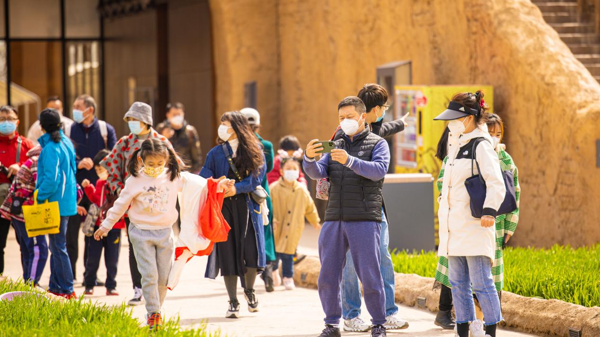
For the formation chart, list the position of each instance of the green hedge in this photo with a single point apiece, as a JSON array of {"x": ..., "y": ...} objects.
[
  {"x": 563, "y": 273},
  {"x": 41, "y": 316}
]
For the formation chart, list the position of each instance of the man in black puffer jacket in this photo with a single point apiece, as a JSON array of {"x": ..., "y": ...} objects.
[{"x": 356, "y": 169}]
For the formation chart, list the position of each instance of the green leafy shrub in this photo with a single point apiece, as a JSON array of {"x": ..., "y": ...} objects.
[
  {"x": 41, "y": 316},
  {"x": 563, "y": 273}
]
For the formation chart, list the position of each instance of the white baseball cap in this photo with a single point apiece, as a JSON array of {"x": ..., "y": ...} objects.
[{"x": 251, "y": 115}]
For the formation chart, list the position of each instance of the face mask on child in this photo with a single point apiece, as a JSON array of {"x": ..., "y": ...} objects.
[
  {"x": 103, "y": 175},
  {"x": 153, "y": 171},
  {"x": 135, "y": 127},
  {"x": 291, "y": 175},
  {"x": 496, "y": 141}
]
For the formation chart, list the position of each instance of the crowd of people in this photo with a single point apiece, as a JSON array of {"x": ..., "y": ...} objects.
[{"x": 132, "y": 184}]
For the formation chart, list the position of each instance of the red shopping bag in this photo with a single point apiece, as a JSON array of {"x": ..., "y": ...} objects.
[{"x": 212, "y": 223}]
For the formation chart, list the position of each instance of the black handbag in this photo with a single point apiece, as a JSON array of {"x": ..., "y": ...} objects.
[
  {"x": 259, "y": 195},
  {"x": 477, "y": 189}
]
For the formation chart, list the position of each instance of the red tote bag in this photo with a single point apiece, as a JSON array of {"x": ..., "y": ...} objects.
[{"x": 212, "y": 223}]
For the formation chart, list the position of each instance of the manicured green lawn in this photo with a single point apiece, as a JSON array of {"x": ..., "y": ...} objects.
[
  {"x": 40, "y": 316},
  {"x": 563, "y": 273}
]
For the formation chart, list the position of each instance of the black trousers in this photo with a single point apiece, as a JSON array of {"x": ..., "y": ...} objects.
[
  {"x": 4, "y": 227},
  {"x": 111, "y": 246},
  {"x": 136, "y": 277},
  {"x": 445, "y": 299},
  {"x": 73, "y": 237}
]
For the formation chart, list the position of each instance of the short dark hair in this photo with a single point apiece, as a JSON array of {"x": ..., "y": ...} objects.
[
  {"x": 289, "y": 143},
  {"x": 8, "y": 109},
  {"x": 88, "y": 101},
  {"x": 52, "y": 99},
  {"x": 354, "y": 101},
  {"x": 100, "y": 156},
  {"x": 176, "y": 105},
  {"x": 373, "y": 95}
]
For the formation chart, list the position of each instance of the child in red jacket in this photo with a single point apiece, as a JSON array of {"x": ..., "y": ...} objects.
[{"x": 111, "y": 243}]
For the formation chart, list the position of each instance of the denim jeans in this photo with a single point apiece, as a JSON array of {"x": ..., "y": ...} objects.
[
  {"x": 61, "y": 275},
  {"x": 287, "y": 264},
  {"x": 34, "y": 253},
  {"x": 476, "y": 270},
  {"x": 351, "y": 300}
]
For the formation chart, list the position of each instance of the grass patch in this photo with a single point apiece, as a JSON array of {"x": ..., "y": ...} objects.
[
  {"x": 40, "y": 316},
  {"x": 562, "y": 273}
]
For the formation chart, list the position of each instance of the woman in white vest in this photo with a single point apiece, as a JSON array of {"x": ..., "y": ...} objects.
[{"x": 468, "y": 242}]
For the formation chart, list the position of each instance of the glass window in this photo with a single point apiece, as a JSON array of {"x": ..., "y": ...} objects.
[
  {"x": 83, "y": 74},
  {"x": 2, "y": 22},
  {"x": 34, "y": 18},
  {"x": 82, "y": 19},
  {"x": 36, "y": 74},
  {"x": 3, "y": 97}
]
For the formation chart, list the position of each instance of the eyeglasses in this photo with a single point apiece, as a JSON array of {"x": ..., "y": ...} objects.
[
  {"x": 8, "y": 119},
  {"x": 385, "y": 107}
]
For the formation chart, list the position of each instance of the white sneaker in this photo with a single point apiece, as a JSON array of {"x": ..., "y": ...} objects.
[
  {"x": 393, "y": 322},
  {"x": 288, "y": 282},
  {"x": 138, "y": 297},
  {"x": 477, "y": 328},
  {"x": 356, "y": 325},
  {"x": 276, "y": 278}
]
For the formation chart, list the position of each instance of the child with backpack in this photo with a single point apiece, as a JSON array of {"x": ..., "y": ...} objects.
[{"x": 110, "y": 243}]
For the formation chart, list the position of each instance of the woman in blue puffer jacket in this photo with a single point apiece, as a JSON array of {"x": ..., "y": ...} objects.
[{"x": 56, "y": 182}]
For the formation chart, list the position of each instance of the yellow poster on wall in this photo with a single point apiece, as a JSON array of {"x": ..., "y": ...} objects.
[{"x": 414, "y": 149}]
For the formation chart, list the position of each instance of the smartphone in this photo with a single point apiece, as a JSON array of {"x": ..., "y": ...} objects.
[{"x": 327, "y": 146}]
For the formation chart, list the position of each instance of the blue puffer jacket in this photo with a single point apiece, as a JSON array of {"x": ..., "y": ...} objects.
[
  {"x": 215, "y": 166},
  {"x": 56, "y": 174}
]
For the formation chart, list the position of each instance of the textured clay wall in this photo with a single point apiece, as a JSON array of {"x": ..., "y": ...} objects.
[{"x": 308, "y": 54}]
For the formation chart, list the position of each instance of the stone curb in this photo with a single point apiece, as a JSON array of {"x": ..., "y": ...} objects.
[{"x": 532, "y": 315}]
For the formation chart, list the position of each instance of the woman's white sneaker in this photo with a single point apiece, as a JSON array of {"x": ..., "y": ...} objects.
[{"x": 356, "y": 325}]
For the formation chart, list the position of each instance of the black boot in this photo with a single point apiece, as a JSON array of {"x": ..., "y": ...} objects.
[
  {"x": 444, "y": 320},
  {"x": 378, "y": 331},
  {"x": 267, "y": 276}
]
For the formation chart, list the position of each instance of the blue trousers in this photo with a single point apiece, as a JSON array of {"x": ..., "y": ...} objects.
[
  {"x": 61, "y": 275},
  {"x": 362, "y": 240},
  {"x": 351, "y": 297},
  {"x": 287, "y": 264},
  {"x": 464, "y": 271},
  {"x": 112, "y": 246},
  {"x": 34, "y": 253}
]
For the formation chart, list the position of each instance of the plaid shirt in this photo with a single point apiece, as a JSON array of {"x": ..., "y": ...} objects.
[{"x": 505, "y": 224}]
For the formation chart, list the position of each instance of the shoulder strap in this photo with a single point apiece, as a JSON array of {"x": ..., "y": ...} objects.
[
  {"x": 230, "y": 160},
  {"x": 474, "y": 157},
  {"x": 104, "y": 132},
  {"x": 19, "y": 142}
]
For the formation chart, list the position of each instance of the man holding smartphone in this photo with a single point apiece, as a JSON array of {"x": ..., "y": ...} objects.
[
  {"x": 356, "y": 169},
  {"x": 375, "y": 98}
]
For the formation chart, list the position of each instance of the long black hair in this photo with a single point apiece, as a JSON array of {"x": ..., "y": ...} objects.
[
  {"x": 442, "y": 147},
  {"x": 249, "y": 155},
  {"x": 155, "y": 147}
]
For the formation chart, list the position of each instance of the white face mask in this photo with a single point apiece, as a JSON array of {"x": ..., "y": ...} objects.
[
  {"x": 350, "y": 126},
  {"x": 291, "y": 175},
  {"x": 457, "y": 127},
  {"x": 177, "y": 120},
  {"x": 223, "y": 134},
  {"x": 496, "y": 141}
]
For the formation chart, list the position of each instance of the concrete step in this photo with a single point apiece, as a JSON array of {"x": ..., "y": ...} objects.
[
  {"x": 558, "y": 7},
  {"x": 585, "y": 48},
  {"x": 573, "y": 27},
  {"x": 594, "y": 69},
  {"x": 561, "y": 17},
  {"x": 578, "y": 38},
  {"x": 589, "y": 58}
]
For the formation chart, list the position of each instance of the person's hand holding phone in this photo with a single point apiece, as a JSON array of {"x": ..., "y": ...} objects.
[{"x": 313, "y": 148}]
